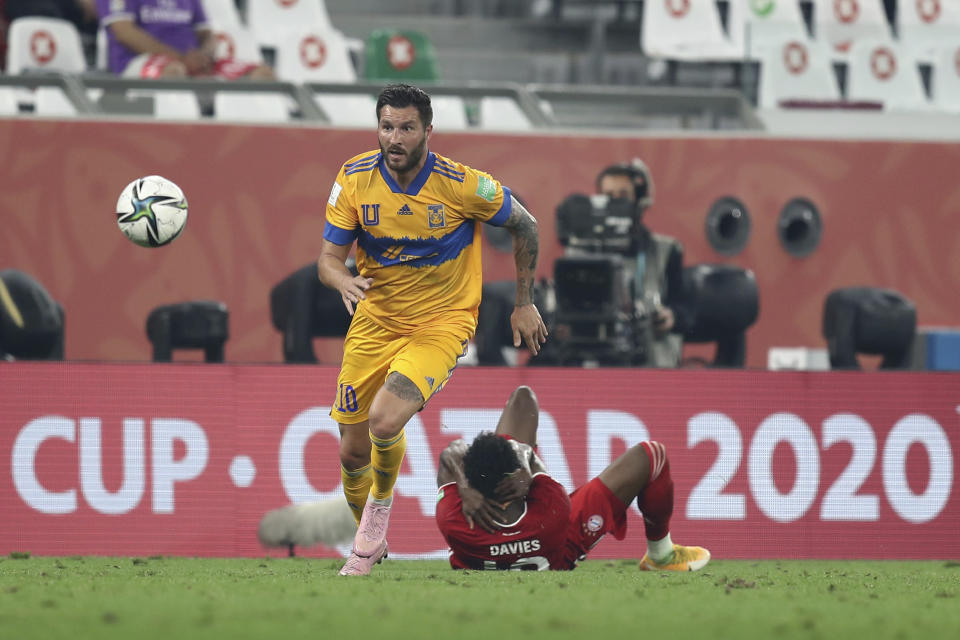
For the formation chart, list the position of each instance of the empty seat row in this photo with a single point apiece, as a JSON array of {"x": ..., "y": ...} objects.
[
  {"x": 797, "y": 73},
  {"x": 690, "y": 30}
]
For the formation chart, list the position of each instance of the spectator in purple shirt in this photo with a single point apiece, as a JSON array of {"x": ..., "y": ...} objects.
[{"x": 166, "y": 39}]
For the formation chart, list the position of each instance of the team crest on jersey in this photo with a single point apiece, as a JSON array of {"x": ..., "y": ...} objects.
[
  {"x": 435, "y": 216},
  {"x": 594, "y": 523}
]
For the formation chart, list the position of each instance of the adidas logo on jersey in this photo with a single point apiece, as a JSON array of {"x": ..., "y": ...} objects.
[{"x": 404, "y": 211}]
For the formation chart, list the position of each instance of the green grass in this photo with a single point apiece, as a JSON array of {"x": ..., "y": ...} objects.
[{"x": 176, "y": 598}]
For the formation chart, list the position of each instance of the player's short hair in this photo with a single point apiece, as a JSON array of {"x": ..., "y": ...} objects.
[
  {"x": 487, "y": 461},
  {"x": 404, "y": 95}
]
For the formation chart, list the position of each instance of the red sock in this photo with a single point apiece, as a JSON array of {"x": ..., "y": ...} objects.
[{"x": 656, "y": 500}]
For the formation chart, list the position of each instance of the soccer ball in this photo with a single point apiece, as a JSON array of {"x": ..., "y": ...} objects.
[{"x": 152, "y": 211}]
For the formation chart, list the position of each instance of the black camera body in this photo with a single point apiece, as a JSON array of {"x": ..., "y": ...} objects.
[
  {"x": 594, "y": 307},
  {"x": 599, "y": 224}
]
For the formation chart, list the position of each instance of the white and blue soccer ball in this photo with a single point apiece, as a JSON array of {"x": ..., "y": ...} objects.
[{"x": 152, "y": 211}]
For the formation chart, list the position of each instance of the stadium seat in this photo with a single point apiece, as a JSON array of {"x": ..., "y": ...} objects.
[
  {"x": 235, "y": 41},
  {"x": 839, "y": 23},
  {"x": 348, "y": 109},
  {"x": 883, "y": 71},
  {"x": 946, "y": 79},
  {"x": 222, "y": 13},
  {"x": 501, "y": 113},
  {"x": 201, "y": 324},
  {"x": 100, "y": 61},
  {"x": 271, "y": 20},
  {"x": 723, "y": 302},
  {"x": 685, "y": 30},
  {"x": 925, "y": 26},
  {"x": 868, "y": 320},
  {"x": 449, "y": 113},
  {"x": 756, "y": 27},
  {"x": 31, "y": 321},
  {"x": 399, "y": 55},
  {"x": 51, "y": 101},
  {"x": 171, "y": 104},
  {"x": 251, "y": 106},
  {"x": 797, "y": 72},
  {"x": 47, "y": 44},
  {"x": 9, "y": 105},
  {"x": 314, "y": 55},
  {"x": 302, "y": 308}
]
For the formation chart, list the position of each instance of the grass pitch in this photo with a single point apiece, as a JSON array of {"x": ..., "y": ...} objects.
[{"x": 176, "y": 598}]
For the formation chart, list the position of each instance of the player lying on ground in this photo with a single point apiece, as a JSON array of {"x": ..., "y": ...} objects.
[{"x": 498, "y": 508}]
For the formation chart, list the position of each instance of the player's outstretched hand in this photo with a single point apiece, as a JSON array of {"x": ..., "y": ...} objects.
[
  {"x": 528, "y": 326},
  {"x": 352, "y": 290},
  {"x": 514, "y": 486},
  {"x": 477, "y": 509}
]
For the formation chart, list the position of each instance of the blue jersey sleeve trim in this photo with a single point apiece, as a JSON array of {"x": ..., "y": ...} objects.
[
  {"x": 506, "y": 209},
  {"x": 339, "y": 236}
]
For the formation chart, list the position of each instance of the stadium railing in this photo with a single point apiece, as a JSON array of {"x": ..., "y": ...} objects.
[{"x": 546, "y": 106}]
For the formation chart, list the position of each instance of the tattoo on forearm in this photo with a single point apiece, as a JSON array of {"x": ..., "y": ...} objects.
[
  {"x": 526, "y": 247},
  {"x": 402, "y": 387}
]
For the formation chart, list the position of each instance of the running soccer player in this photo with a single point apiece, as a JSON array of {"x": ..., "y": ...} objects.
[
  {"x": 414, "y": 216},
  {"x": 498, "y": 509}
]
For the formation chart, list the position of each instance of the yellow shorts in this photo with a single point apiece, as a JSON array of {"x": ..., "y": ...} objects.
[{"x": 427, "y": 357}]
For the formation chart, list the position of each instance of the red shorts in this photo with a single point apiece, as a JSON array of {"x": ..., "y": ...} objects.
[
  {"x": 594, "y": 512},
  {"x": 153, "y": 66}
]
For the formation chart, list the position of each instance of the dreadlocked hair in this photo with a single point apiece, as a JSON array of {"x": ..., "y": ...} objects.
[{"x": 487, "y": 461}]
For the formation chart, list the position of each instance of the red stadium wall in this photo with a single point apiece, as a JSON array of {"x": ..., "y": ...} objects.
[
  {"x": 891, "y": 215},
  {"x": 184, "y": 459}
]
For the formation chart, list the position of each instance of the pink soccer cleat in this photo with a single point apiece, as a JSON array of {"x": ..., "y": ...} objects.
[
  {"x": 372, "y": 532},
  {"x": 357, "y": 565}
]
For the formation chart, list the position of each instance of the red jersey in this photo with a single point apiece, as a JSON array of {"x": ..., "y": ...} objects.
[{"x": 536, "y": 541}]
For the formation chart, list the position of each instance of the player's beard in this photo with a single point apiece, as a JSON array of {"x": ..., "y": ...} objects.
[{"x": 413, "y": 156}]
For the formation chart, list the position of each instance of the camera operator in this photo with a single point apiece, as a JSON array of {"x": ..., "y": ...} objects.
[
  {"x": 658, "y": 270},
  {"x": 618, "y": 285}
]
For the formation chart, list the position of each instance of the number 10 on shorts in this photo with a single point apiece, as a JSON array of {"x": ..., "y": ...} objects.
[{"x": 346, "y": 398}]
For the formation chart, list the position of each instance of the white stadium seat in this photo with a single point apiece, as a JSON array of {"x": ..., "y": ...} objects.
[
  {"x": 797, "y": 71},
  {"x": 270, "y": 20},
  {"x": 48, "y": 44},
  {"x": 175, "y": 105},
  {"x": 222, "y": 13},
  {"x": 8, "y": 102},
  {"x": 449, "y": 113},
  {"x": 757, "y": 25},
  {"x": 501, "y": 113},
  {"x": 842, "y": 22},
  {"x": 250, "y": 106},
  {"x": 685, "y": 30},
  {"x": 946, "y": 79},
  {"x": 51, "y": 101},
  {"x": 886, "y": 72},
  {"x": 314, "y": 55},
  {"x": 348, "y": 109},
  {"x": 235, "y": 41},
  {"x": 925, "y": 26}
]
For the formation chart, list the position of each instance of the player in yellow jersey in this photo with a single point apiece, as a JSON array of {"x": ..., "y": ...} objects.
[{"x": 415, "y": 217}]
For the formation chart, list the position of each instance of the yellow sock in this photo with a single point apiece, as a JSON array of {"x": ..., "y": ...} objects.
[
  {"x": 385, "y": 458},
  {"x": 356, "y": 487}
]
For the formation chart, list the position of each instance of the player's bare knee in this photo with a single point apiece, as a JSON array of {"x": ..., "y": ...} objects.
[
  {"x": 384, "y": 425},
  {"x": 523, "y": 398},
  {"x": 353, "y": 457}
]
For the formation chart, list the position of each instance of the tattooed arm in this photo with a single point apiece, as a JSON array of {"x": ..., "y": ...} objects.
[{"x": 525, "y": 320}]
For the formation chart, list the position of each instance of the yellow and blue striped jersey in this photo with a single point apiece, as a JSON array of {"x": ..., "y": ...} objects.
[{"x": 421, "y": 246}]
